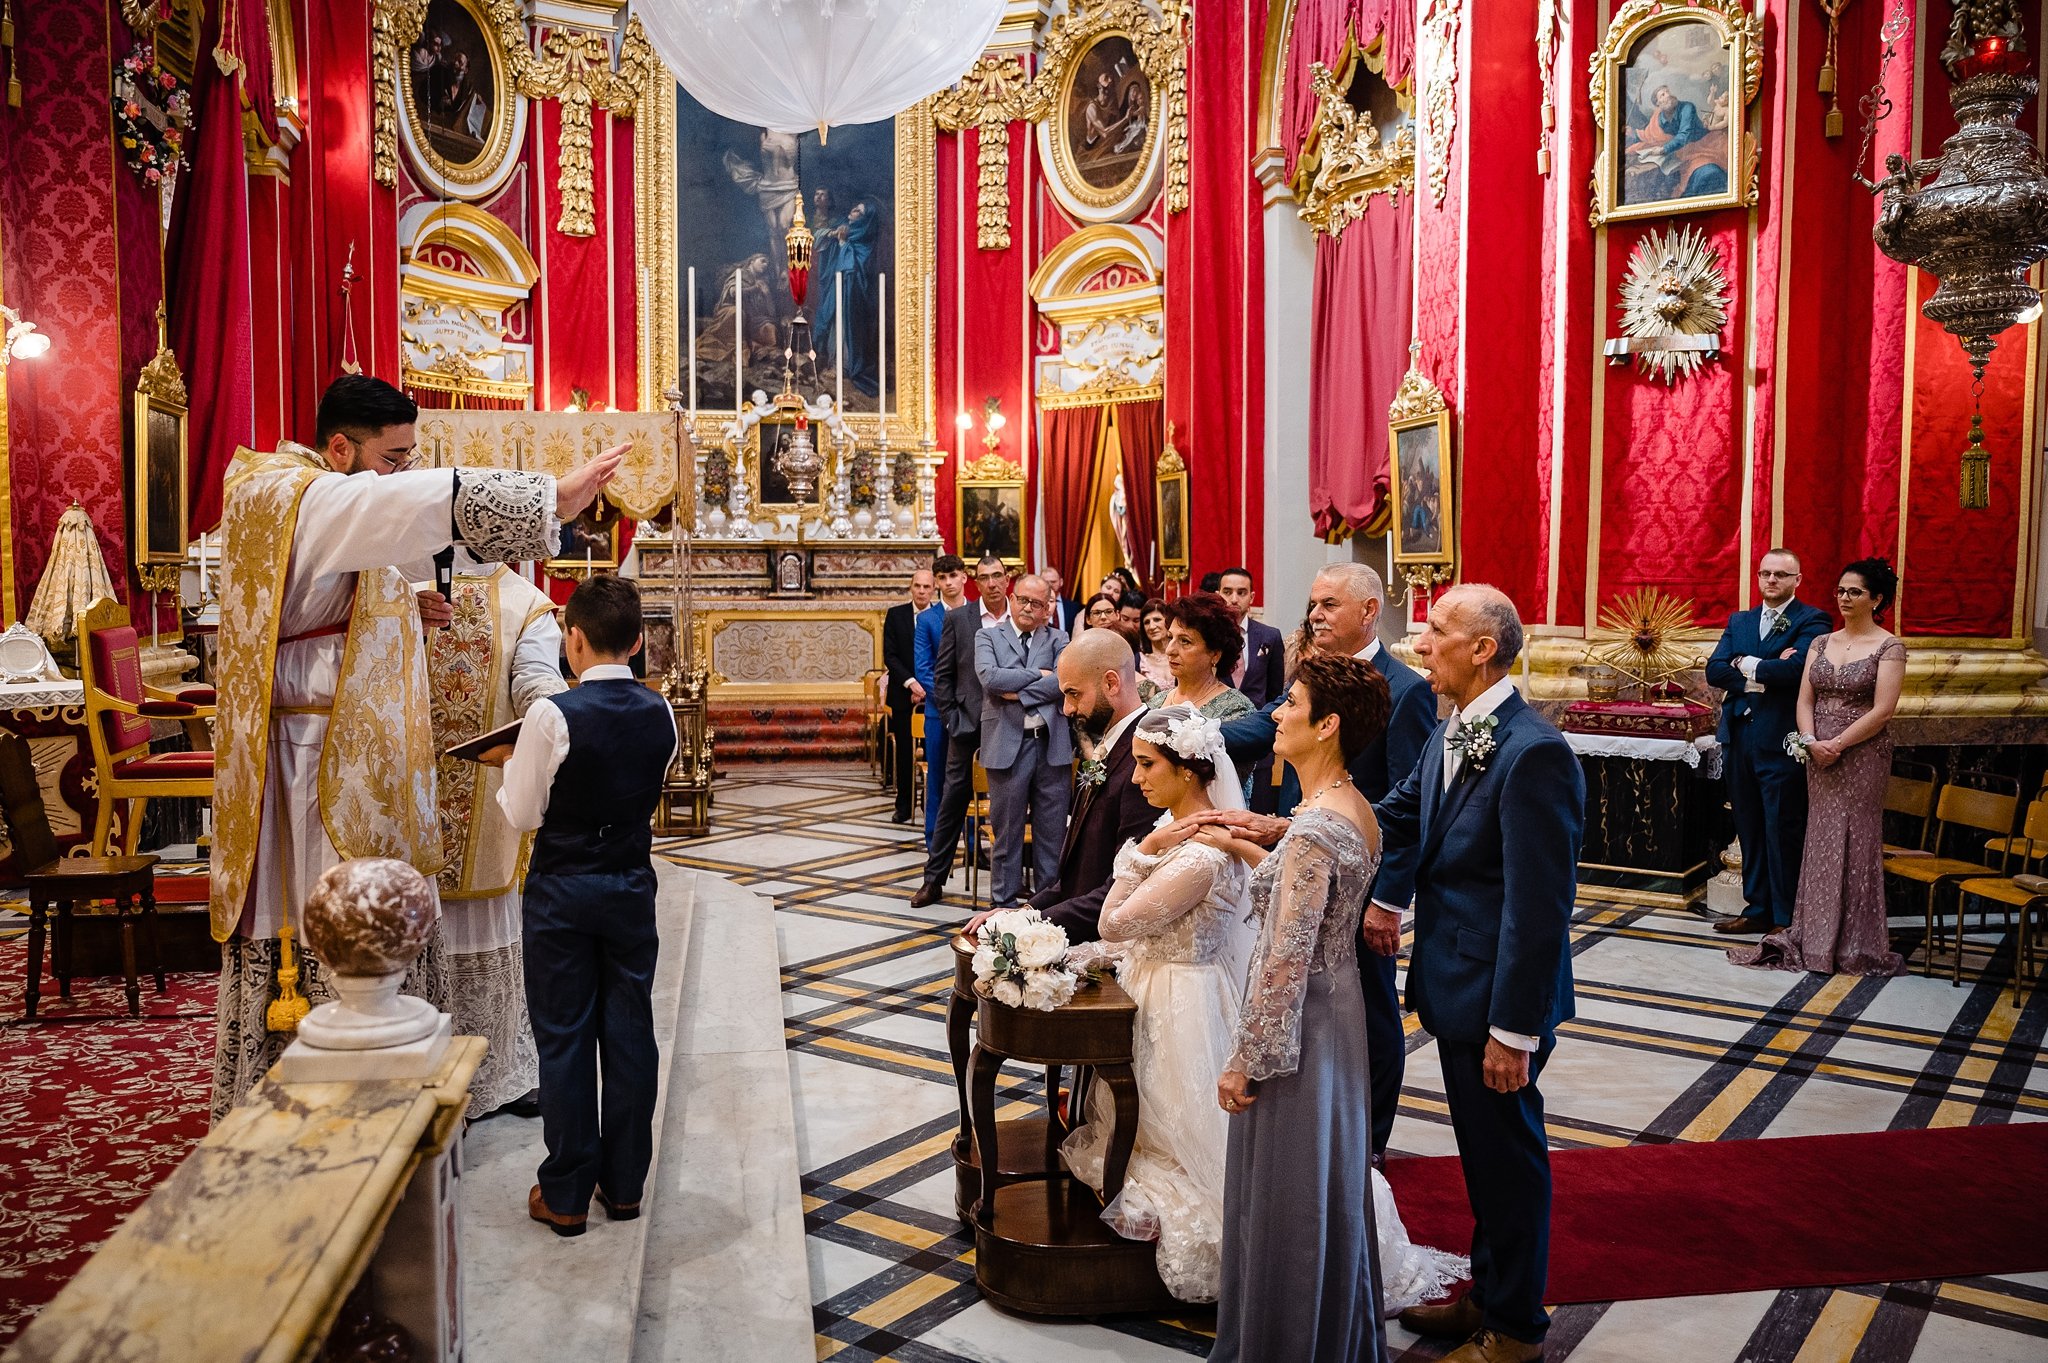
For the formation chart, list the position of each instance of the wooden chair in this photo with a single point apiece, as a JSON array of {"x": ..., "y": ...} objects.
[
  {"x": 918, "y": 767},
  {"x": 57, "y": 885},
  {"x": 874, "y": 732},
  {"x": 1911, "y": 793},
  {"x": 1961, "y": 810},
  {"x": 2025, "y": 846},
  {"x": 976, "y": 828},
  {"x": 118, "y": 709},
  {"x": 2025, "y": 892}
]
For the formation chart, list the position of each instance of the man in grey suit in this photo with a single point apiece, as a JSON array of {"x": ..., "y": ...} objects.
[{"x": 1026, "y": 746}]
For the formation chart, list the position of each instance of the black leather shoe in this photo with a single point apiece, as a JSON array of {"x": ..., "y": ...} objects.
[
  {"x": 927, "y": 895},
  {"x": 1743, "y": 924},
  {"x": 526, "y": 1104},
  {"x": 900, "y": 816}
]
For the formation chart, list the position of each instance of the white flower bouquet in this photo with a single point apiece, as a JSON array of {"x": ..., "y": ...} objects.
[{"x": 1017, "y": 961}]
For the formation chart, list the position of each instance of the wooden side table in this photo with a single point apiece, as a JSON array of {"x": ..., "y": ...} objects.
[
  {"x": 1040, "y": 1244},
  {"x": 61, "y": 885},
  {"x": 1025, "y": 1146}
]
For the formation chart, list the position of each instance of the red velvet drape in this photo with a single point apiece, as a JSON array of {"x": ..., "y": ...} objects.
[
  {"x": 1066, "y": 479},
  {"x": 206, "y": 268},
  {"x": 1318, "y": 34},
  {"x": 1141, "y": 434},
  {"x": 1360, "y": 350}
]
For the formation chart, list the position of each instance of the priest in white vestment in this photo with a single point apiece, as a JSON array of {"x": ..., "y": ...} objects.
[
  {"x": 324, "y": 745},
  {"x": 500, "y": 652}
]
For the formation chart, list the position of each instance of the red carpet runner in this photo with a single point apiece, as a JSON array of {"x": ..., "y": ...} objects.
[
  {"x": 95, "y": 1111},
  {"x": 1695, "y": 1219}
]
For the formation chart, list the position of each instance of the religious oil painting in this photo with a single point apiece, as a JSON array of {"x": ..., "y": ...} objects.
[
  {"x": 459, "y": 102},
  {"x": 1421, "y": 488},
  {"x": 160, "y": 473},
  {"x": 1676, "y": 85},
  {"x": 737, "y": 190},
  {"x": 590, "y": 541},
  {"x": 992, "y": 521},
  {"x": 1105, "y": 134},
  {"x": 1173, "y": 519}
]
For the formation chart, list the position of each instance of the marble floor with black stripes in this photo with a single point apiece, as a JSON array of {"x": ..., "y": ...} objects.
[{"x": 1671, "y": 1043}]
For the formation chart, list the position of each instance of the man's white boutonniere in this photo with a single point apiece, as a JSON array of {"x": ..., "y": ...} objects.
[
  {"x": 1093, "y": 773},
  {"x": 1473, "y": 744},
  {"x": 1796, "y": 745}
]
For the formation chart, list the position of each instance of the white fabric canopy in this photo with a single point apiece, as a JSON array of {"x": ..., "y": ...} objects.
[{"x": 796, "y": 66}]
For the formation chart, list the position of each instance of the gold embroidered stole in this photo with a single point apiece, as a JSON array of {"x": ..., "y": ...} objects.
[
  {"x": 470, "y": 679},
  {"x": 376, "y": 764}
]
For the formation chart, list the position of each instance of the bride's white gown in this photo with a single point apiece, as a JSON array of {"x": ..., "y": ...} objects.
[{"x": 1177, "y": 926}]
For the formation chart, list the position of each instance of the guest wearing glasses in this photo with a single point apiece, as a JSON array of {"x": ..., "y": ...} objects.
[
  {"x": 1027, "y": 746},
  {"x": 959, "y": 695}
]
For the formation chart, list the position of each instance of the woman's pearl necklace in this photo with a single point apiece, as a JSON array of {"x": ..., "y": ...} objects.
[{"x": 1320, "y": 792}]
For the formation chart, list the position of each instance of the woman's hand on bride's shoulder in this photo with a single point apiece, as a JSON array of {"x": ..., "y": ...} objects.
[{"x": 1161, "y": 840}]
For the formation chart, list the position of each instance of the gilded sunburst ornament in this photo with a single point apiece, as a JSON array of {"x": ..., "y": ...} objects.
[
  {"x": 1643, "y": 635},
  {"x": 1674, "y": 287}
]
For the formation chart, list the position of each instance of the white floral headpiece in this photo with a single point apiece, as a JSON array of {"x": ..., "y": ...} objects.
[{"x": 1196, "y": 736}]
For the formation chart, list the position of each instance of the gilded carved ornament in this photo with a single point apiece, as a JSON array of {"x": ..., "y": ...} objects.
[
  {"x": 996, "y": 92},
  {"x": 1437, "y": 62},
  {"x": 1353, "y": 163},
  {"x": 573, "y": 66},
  {"x": 1674, "y": 287},
  {"x": 991, "y": 468}
]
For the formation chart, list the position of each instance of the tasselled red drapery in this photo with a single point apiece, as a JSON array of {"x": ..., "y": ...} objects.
[
  {"x": 1318, "y": 33},
  {"x": 1359, "y": 325},
  {"x": 1066, "y": 481},
  {"x": 207, "y": 284},
  {"x": 1141, "y": 436}
]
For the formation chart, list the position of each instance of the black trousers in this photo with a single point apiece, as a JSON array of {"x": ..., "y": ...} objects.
[
  {"x": 1386, "y": 1044},
  {"x": 589, "y": 944},
  {"x": 905, "y": 757},
  {"x": 1767, "y": 790},
  {"x": 1506, "y": 1160},
  {"x": 960, "y": 751}
]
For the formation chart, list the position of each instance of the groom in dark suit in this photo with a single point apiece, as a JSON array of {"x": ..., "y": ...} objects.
[
  {"x": 1759, "y": 664},
  {"x": 1496, "y": 808},
  {"x": 1098, "y": 676}
]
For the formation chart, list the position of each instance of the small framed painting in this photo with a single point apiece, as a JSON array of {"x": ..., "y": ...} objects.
[
  {"x": 991, "y": 508},
  {"x": 1671, "y": 90},
  {"x": 590, "y": 543},
  {"x": 160, "y": 463},
  {"x": 1419, "y": 454},
  {"x": 1171, "y": 490}
]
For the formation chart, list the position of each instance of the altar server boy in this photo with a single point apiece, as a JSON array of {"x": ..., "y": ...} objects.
[{"x": 587, "y": 772}]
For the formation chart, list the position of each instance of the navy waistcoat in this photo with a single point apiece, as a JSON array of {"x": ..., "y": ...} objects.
[{"x": 601, "y": 807}]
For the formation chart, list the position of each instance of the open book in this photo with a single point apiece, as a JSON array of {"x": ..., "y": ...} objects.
[{"x": 472, "y": 749}]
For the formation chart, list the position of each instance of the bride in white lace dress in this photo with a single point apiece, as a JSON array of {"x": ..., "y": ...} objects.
[{"x": 1175, "y": 924}]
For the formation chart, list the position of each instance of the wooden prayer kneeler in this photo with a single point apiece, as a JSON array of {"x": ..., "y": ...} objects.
[{"x": 1040, "y": 1244}]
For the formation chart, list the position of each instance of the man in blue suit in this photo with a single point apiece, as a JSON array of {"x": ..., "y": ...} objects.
[
  {"x": 1759, "y": 664},
  {"x": 1027, "y": 746},
  {"x": 1344, "y": 610},
  {"x": 1261, "y": 672},
  {"x": 951, "y": 574},
  {"x": 1495, "y": 811}
]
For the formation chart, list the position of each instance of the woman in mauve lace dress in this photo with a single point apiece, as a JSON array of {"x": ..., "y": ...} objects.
[
  {"x": 1301, "y": 1279},
  {"x": 1175, "y": 924},
  {"x": 1851, "y": 687}
]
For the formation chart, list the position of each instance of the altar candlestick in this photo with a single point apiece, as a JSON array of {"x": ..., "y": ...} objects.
[
  {"x": 154, "y": 622},
  {"x": 882, "y": 357},
  {"x": 739, "y": 346},
  {"x": 693, "y": 343},
  {"x": 839, "y": 336}
]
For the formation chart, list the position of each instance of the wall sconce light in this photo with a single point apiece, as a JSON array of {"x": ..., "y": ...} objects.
[
  {"x": 992, "y": 421},
  {"x": 19, "y": 339}
]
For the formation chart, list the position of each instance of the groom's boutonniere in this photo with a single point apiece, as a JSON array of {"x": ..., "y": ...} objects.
[
  {"x": 1474, "y": 743},
  {"x": 1093, "y": 772},
  {"x": 1778, "y": 626}
]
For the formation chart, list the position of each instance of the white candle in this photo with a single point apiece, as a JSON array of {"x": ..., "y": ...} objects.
[
  {"x": 586, "y": 558},
  {"x": 739, "y": 347},
  {"x": 882, "y": 357},
  {"x": 153, "y": 621},
  {"x": 693, "y": 342},
  {"x": 839, "y": 335}
]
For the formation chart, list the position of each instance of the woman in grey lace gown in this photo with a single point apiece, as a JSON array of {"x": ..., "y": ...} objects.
[
  {"x": 1301, "y": 1280},
  {"x": 1851, "y": 686}
]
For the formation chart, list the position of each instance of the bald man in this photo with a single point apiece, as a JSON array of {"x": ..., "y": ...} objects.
[{"x": 1098, "y": 677}]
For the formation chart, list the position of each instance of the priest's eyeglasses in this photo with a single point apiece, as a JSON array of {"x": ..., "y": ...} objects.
[{"x": 391, "y": 465}]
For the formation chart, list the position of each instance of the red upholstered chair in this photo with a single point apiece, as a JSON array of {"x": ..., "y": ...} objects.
[{"x": 118, "y": 709}]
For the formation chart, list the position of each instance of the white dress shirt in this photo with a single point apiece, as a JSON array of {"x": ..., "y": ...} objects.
[
  {"x": 1116, "y": 731},
  {"x": 543, "y": 744},
  {"x": 1489, "y": 700},
  {"x": 990, "y": 619}
]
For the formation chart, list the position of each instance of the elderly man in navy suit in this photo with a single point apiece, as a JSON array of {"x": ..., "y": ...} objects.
[
  {"x": 1027, "y": 745},
  {"x": 1344, "y": 610},
  {"x": 1759, "y": 664},
  {"x": 1496, "y": 809}
]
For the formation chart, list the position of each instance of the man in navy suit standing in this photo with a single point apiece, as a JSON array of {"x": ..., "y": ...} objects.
[
  {"x": 1495, "y": 810},
  {"x": 1759, "y": 664},
  {"x": 1262, "y": 665},
  {"x": 1343, "y": 614}
]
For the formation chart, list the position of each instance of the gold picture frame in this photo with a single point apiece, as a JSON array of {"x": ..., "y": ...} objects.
[
  {"x": 467, "y": 137},
  {"x": 1671, "y": 89},
  {"x": 1104, "y": 138},
  {"x": 1170, "y": 505},
  {"x": 161, "y": 471},
  {"x": 1422, "y": 473},
  {"x": 988, "y": 510},
  {"x": 596, "y": 533}
]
